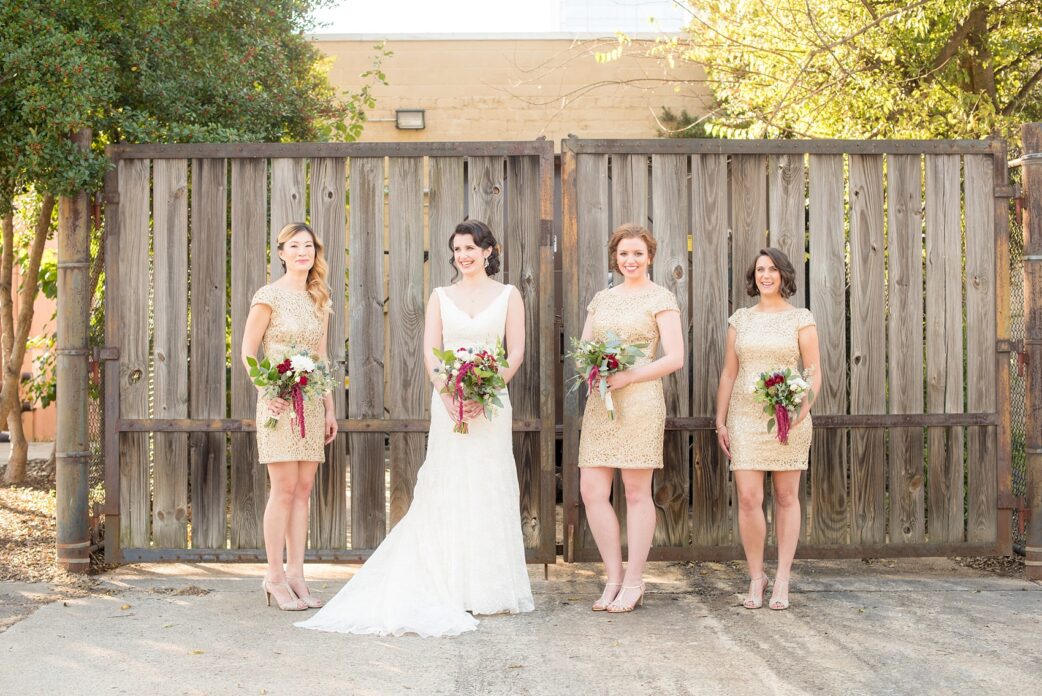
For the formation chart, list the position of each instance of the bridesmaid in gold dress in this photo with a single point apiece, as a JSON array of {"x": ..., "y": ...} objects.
[
  {"x": 290, "y": 314},
  {"x": 638, "y": 311},
  {"x": 769, "y": 336}
]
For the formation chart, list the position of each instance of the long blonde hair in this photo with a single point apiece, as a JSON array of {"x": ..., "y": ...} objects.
[{"x": 317, "y": 286}]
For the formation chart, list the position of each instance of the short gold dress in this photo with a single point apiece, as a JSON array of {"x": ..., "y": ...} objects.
[
  {"x": 634, "y": 439},
  {"x": 764, "y": 342},
  {"x": 293, "y": 326}
]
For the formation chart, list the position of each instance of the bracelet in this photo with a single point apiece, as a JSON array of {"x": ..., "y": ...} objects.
[{"x": 721, "y": 427}]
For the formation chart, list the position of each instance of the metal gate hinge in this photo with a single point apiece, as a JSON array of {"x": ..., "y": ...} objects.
[{"x": 1008, "y": 191}]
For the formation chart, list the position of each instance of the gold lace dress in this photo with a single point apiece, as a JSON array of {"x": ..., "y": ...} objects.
[
  {"x": 765, "y": 341},
  {"x": 293, "y": 326},
  {"x": 634, "y": 439}
]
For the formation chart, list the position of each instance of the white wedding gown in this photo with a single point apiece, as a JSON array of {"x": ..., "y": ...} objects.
[{"x": 459, "y": 547}]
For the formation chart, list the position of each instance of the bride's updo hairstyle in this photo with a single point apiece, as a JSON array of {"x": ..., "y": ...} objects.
[{"x": 483, "y": 238}]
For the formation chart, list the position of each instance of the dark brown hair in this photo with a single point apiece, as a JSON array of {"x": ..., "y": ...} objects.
[
  {"x": 629, "y": 230},
  {"x": 482, "y": 235},
  {"x": 784, "y": 266}
]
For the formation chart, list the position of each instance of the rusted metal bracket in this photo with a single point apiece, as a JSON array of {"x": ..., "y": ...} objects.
[
  {"x": 1012, "y": 191},
  {"x": 1008, "y": 501}
]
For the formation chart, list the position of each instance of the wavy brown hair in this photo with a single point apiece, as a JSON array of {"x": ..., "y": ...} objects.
[
  {"x": 785, "y": 269},
  {"x": 317, "y": 286},
  {"x": 629, "y": 230}
]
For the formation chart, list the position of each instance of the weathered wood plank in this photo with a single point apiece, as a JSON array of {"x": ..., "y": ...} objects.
[
  {"x": 629, "y": 190},
  {"x": 982, "y": 492},
  {"x": 485, "y": 196},
  {"x": 288, "y": 190},
  {"x": 748, "y": 220},
  {"x": 366, "y": 289},
  {"x": 328, "y": 219},
  {"x": 592, "y": 272},
  {"x": 522, "y": 250},
  {"x": 249, "y": 261},
  {"x": 132, "y": 305},
  {"x": 208, "y": 258},
  {"x": 828, "y": 302},
  {"x": 748, "y": 179},
  {"x": 905, "y": 334},
  {"x": 788, "y": 216},
  {"x": 867, "y": 349},
  {"x": 170, "y": 350},
  {"x": 671, "y": 270},
  {"x": 944, "y": 388},
  {"x": 709, "y": 320},
  {"x": 411, "y": 389},
  {"x": 446, "y": 210}
]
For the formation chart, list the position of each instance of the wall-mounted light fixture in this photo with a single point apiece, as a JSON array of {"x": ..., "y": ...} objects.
[{"x": 409, "y": 119}]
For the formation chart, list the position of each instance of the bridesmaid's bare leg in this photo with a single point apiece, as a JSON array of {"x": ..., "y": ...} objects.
[
  {"x": 595, "y": 486},
  {"x": 640, "y": 522},
  {"x": 283, "y": 476},
  {"x": 787, "y": 517},
  {"x": 297, "y": 530},
  {"x": 752, "y": 525}
]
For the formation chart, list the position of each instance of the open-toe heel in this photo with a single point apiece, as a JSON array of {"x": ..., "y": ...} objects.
[
  {"x": 293, "y": 604},
  {"x": 602, "y": 603},
  {"x": 754, "y": 600}
]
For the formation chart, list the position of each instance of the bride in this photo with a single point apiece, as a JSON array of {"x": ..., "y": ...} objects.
[{"x": 459, "y": 547}]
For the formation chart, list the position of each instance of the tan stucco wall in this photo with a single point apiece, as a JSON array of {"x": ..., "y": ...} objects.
[{"x": 515, "y": 88}]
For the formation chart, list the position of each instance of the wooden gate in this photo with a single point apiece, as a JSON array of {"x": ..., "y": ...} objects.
[
  {"x": 902, "y": 247},
  {"x": 190, "y": 238}
]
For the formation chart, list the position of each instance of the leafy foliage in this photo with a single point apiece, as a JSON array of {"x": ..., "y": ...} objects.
[{"x": 867, "y": 68}]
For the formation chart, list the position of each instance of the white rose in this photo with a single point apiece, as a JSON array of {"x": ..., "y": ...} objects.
[{"x": 302, "y": 363}]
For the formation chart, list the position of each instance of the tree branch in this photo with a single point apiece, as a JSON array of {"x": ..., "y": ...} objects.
[{"x": 1022, "y": 95}]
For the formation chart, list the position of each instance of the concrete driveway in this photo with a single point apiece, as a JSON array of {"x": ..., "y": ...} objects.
[{"x": 885, "y": 627}]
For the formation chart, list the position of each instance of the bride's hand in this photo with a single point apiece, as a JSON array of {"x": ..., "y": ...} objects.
[
  {"x": 472, "y": 409},
  {"x": 451, "y": 406}
]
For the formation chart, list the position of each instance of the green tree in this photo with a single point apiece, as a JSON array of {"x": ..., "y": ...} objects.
[
  {"x": 139, "y": 71},
  {"x": 866, "y": 68}
]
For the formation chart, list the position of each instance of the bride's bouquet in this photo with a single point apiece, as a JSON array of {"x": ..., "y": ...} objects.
[
  {"x": 781, "y": 392},
  {"x": 599, "y": 359},
  {"x": 473, "y": 375},
  {"x": 299, "y": 376}
]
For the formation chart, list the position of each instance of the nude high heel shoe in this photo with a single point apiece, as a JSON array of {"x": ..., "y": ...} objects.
[
  {"x": 617, "y": 607},
  {"x": 752, "y": 601},
  {"x": 308, "y": 599},
  {"x": 602, "y": 604},
  {"x": 293, "y": 604},
  {"x": 780, "y": 604}
]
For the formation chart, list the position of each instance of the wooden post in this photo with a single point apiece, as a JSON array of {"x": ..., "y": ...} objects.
[
  {"x": 1031, "y": 134},
  {"x": 72, "y": 448}
]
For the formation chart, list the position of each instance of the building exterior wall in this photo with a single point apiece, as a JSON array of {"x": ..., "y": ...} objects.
[{"x": 515, "y": 87}]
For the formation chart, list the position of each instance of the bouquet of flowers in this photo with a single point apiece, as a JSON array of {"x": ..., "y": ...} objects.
[
  {"x": 598, "y": 359},
  {"x": 299, "y": 376},
  {"x": 473, "y": 375},
  {"x": 781, "y": 392}
]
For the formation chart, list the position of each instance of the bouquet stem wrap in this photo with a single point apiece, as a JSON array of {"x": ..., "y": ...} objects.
[
  {"x": 781, "y": 415},
  {"x": 297, "y": 397}
]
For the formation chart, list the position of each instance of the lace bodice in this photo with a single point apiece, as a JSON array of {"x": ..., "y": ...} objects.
[
  {"x": 631, "y": 316},
  {"x": 767, "y": 340},
  {"x": 293, "y": 324},
  {"x": 460, "y": 330}
]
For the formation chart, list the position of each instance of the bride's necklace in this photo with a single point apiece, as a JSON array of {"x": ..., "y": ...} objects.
[{"x": 474, "y": 298}]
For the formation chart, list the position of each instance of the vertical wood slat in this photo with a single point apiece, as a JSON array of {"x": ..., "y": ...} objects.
[
  {"x": 629, "y": 190},
  {"x": 571, "y": 316},
  {"x": 328, "y": 220},
  {"x": 592, "y": 271},
  {"x": 368, "y": 516},
  {"x": 446, "y": 210},
  {"x": 1003, "y": 278},
  {"x": 980, "y": 345},
  {"x": 748, "y": 181},
  {"x": 867, "y": 349},
  {"x": 287, "y": 202},
  {"x": 132, "y": 305},
  {"x": 522, "y": 248},
  {"x": 905, "y": 333},
  {"x": 170, "y": 350},
  {"x": 788, "y": 216},
  {"x": 249, "y": 261},
  {"x": 406, "y": 372},
  {"x": 709, "y": 320},
  {"x": 208, "y": 257},
  {"x": 548, "y": 359},
  {"x": 828, "y": 302},
  {"x": 485, "y": 197},
  {"x": 944, "y": 389},
  {"x": 672, "y": 483}
]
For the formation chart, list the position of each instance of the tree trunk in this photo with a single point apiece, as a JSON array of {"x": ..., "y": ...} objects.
[
  {"x": 15, "y": 354},
  {"x": 15, "y": 472}
]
